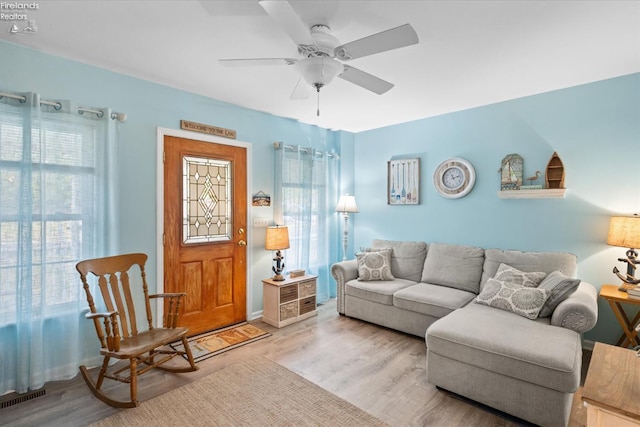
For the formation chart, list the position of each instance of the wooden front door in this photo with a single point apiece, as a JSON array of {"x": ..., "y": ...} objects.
[{"x": 205, "y": 221}]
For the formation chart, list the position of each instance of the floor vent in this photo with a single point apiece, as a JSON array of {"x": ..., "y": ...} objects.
[{"x": 22, "y": 398}]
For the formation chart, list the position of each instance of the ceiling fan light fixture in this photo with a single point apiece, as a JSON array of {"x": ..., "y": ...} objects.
[{"x": 319, "y": 70}]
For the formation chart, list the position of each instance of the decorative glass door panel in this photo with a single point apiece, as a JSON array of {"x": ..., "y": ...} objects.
[{"x": 206, "y": 203}]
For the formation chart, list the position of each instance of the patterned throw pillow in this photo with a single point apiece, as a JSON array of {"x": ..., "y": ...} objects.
[
  {"x": 506, "y": 273},
  {"x": 375, "y": 265},
  {"x": 559, "y": 287},
  {"x": 521, "y": 300}
]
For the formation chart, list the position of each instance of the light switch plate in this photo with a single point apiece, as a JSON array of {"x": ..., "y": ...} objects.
[{"x": 261, "y": 222}]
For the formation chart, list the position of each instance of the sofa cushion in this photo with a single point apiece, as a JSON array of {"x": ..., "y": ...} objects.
[
  {"x": 528, "y": 261},
  {"x": 560, "y": 288},
  {"x": 432, "y": 300},
  {"x": 506, "y": 273},
  {"x": 521, "y": 300},
  {"x": 375, "y": 265},
  {"x": 456, "y": 266},
  {"x": 407, "y": 258},
  {"x": 377, "y": 291},
  {"x": 502, "y": 342}
]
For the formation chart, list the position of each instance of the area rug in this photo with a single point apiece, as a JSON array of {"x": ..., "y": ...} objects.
[
  {"x": 212, "y": 343},
  {"x": 256, "y": 392}
]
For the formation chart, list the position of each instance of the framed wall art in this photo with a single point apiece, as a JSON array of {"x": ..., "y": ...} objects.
[
  {"x": 511, "y": 172},
  {"x": 403, "y": 182},
  {"x": 261, "y": 199}
]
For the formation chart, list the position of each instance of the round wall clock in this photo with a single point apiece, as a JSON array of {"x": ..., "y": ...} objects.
[{"x": 454, "y": 178}]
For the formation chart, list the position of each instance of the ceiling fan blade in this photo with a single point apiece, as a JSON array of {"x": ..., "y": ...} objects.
[
  {"x": 394, "y": 38},
  {"x": 365, "y": 80},
  {"x": 301, "y": 91},
  {"x": 288, "y": 19},
  {"x": 247, "y": 62}
]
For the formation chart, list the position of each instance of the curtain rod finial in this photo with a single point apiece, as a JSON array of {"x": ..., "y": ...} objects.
[{"x": 121, "y": 117}]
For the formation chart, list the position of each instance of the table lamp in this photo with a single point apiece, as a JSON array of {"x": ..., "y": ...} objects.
[
  {"x": 277, "y": 240},
  {"x": 346, "y": 205},
  {"x": 624, "y": 231}
]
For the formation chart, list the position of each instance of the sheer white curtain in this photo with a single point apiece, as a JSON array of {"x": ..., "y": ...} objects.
[
  {"x": 306, "y": 187},
  {"x": 58, "y": 207}
]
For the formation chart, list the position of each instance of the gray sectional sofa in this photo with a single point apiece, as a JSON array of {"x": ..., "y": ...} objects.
[{"x": 502, "y": 327}]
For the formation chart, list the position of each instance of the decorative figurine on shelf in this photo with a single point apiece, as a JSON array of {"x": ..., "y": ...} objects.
[
  {"x": 534, "y": 178},
  {"x": 531, "y": 185},
  {"x": 555, "y": 172}
]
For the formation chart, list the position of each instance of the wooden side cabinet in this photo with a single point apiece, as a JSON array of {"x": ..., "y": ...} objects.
[
  {"x": 289, "y": 301},
  {"x": 610, "y": 391}
]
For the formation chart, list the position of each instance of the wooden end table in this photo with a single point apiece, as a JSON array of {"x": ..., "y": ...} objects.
[
  {"x": 616, "y": 298},
  {"x": 610, "y": 390}
]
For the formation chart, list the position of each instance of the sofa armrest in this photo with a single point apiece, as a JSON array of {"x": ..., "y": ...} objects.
[
  {"x": 579, "y": 312},
  {"x": 343, "y": 272}
]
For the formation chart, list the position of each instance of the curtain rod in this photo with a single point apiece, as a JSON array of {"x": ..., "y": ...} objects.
[
  {"x": 121, "y": 117},
  {"x": 278, "y": 145}
]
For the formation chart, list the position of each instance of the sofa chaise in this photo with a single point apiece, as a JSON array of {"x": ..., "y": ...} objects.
[{"x": 502, "y": 327}]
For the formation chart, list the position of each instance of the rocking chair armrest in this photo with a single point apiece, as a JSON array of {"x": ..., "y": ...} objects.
[
  {"x": 172, "y": 312},
  {"x": 109, "y": 335},
  {"x": 98, "y": 315},
  {"x": 169, "y": 295}
]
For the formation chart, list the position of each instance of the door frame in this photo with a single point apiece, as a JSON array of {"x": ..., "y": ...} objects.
[{"x": 179, "y": 133}]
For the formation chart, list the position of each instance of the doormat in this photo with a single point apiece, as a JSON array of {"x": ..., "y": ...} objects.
[{"x": 215, "y": 342}]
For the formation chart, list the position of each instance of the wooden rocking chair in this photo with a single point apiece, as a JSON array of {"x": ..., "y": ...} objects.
[{"x": 119, "y": 335}]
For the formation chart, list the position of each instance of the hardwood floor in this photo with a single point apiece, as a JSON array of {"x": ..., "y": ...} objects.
[{"x": 379, "y": 370}]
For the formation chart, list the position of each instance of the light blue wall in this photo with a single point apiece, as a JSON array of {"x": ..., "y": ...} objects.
[
  {"x": 594, "y": 128},
  {"x": 149, "y": 106}
]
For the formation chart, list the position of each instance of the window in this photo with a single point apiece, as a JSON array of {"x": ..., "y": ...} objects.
[
  {"x": 305, "y": 190},
  {"x": 61, "y": 172},
  {"x": 304, "y": 207},
  {"x": 57, "y": 207}
]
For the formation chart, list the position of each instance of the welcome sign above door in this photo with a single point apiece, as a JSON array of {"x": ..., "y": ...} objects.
[{"x": 208, "y": 129}]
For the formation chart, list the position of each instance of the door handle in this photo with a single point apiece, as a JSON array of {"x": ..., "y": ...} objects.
[{"x": 242, "y": 243}]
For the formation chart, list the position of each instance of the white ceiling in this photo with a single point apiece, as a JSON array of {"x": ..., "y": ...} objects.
[{"x": 471, "y": 53}]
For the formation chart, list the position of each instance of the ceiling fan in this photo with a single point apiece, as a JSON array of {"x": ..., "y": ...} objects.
[{"x": 321, "y": 54}]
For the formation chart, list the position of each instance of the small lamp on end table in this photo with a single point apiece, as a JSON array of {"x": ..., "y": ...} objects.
[
  {"x": 346, "y": 205},
  {"x": 624, "y": 231},
  {"x": 277, "y": 240}
]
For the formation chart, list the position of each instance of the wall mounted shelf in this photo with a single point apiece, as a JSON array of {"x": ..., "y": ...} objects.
[{"x": 549, "y": 193}]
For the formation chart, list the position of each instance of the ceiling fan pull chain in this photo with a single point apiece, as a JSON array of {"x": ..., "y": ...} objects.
[{"x": 318, "y": 86}]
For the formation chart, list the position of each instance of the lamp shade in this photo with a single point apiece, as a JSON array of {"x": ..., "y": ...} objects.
[
  {"x": 624, "y": 231},
  {"x": 277, "y": 238},
  {"x": 347, "y": 204}
]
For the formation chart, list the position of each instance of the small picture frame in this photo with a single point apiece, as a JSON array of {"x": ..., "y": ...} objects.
[
  {"x": 403, "y": 182},
  {"x": 511, "y": 172},
  {"x": 261, "y": 199}
]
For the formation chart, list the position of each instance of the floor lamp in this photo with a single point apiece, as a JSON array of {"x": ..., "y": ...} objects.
[{"x": 346, "y": 205}]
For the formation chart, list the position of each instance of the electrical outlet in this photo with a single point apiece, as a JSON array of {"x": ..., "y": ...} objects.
[{"x": 261, "y": 222}]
